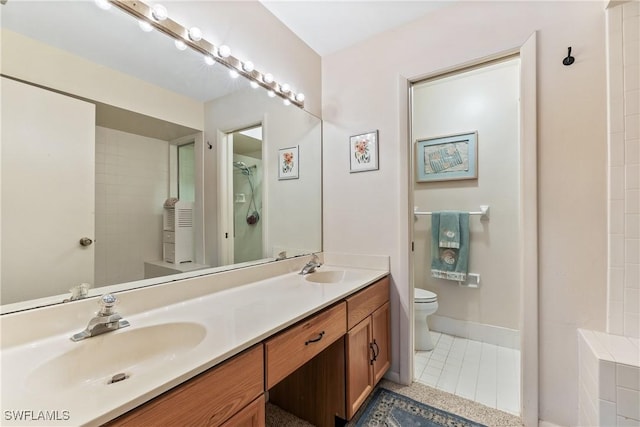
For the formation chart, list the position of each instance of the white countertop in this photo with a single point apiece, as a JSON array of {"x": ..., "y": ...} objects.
[{"x": 234, "y": 320}]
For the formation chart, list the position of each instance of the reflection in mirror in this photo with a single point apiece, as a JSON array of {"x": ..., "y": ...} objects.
[{"x": 168, "y": 166}]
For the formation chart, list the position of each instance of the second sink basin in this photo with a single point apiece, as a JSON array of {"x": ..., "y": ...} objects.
[
  {"x": 330, "y": 276},
  {"x": 97, "y": 359}
]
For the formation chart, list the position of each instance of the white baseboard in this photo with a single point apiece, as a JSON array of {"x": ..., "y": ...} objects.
[
  {"x": 503, "y": 337},
  {"x": 547, "y": 424},
  {"x": 392, "y": 376}
]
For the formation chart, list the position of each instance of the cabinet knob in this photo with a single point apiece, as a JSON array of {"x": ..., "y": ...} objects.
[{"x": 85, "y": 241}]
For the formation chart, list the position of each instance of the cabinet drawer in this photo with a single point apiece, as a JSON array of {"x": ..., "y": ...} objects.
[
  {"x": 367, "y": 301},
  {"x": 292, "y": 348},
  {"x": 209, "y": 399},
  {"x": 168, "y": 237}
]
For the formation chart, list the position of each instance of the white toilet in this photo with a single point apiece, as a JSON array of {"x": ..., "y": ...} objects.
[{"x": 425, "y": 303}]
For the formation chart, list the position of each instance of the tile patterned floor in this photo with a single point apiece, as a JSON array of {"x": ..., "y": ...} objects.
[{"x": 484, "y": 373}]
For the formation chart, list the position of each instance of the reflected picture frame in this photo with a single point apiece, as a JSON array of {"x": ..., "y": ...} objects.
[
  {"x": 363, "y": 152},
  {"x": 288, "y": 163},
  {"x": 447, "y": 158}
]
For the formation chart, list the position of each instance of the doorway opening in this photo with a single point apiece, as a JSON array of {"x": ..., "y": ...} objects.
[
  {"x": 245, "y": 195},
  {"x": 475, "y": 323}
]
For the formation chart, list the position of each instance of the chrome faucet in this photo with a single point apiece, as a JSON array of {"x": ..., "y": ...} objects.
[
  {"x": 311, "y": 266},
  {"x": 106, "y": 320}
]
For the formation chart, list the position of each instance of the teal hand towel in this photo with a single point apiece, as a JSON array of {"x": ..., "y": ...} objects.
[
  {"x": 447, "y": 262},
  {"x": 449, "y": 230}
]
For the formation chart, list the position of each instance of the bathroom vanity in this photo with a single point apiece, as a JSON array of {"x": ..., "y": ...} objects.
[
  {"x": 209, "y": 350},
  {"x": 319, "y": 368}
]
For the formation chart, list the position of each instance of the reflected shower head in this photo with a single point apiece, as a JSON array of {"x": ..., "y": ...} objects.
[{"x": 246, "y": 170}]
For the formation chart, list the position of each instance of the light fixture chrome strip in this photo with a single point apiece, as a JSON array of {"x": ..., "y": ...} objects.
[{"x": 176, "y": 31}]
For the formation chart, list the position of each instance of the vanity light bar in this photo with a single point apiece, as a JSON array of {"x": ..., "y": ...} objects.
[{"x": 176, "y": 31}]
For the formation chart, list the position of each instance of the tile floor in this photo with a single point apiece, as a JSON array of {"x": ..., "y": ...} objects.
[{"x": 484, "y": 373}]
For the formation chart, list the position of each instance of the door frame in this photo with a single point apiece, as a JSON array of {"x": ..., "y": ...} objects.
[{"x": 529, "y": 382}]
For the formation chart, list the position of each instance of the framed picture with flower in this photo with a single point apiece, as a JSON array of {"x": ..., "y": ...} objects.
[
  {"x": 363, "y": 152},
  {"x": 288, "y": 163}
]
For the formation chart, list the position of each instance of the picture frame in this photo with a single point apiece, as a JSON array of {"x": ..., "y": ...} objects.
[
  {"x": 363, "y": 152},
  {"x": 447, "y": 158},
  {"x": 288, "y": 163}
]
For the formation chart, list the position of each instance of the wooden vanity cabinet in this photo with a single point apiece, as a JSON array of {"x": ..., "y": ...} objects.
[
  {"x": 230, "y": 394},
  {"x": 367, "y": 344}
]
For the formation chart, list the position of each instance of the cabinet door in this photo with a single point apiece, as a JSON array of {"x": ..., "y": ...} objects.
[
  {"x": 381, "y": 342},
  {"x": 359, "y": 360},
  {"x": 251, "y": 416}
]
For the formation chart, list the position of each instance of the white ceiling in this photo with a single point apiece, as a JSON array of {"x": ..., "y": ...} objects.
[{"x": 329, "y": 26}]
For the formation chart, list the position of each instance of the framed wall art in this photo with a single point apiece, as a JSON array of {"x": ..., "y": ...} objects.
[
  {"x": 288, "y": 163},
  {"x": 363, "y": 152},
  {"x": 447, "y": 158}
]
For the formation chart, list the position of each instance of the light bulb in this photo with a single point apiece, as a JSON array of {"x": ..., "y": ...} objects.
[
  {"x": 285, "y": 88},
  {"x": 267, "y": 78},
  {"x": 103, "y": 4},
  {"x": 224, "y": 51},
  {"x": 254, "y": 85},
  {"x": 300, "y": 97},
  {"x": 195, "y": 34},
  {"x": 234, "y": 74},
  {"x": 180, "y": 45},
  {"x": 145, "y": 26},
  {"x": 248, "y": 66},
  {"x": 209, "y": 60},
  {"x": 271, "y": 94},
  {"x": 286, "y": 102},
  {"x": 159, "y": 12}
]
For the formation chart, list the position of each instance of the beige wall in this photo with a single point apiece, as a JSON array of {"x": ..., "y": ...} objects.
[
  {"x": 253, "y": 33},
  {"x": 292, "y": 211},
  {"x": 63, "y": 71},
  {"x": 486, "y": 101},
  {"x": 363, "y": 89}
]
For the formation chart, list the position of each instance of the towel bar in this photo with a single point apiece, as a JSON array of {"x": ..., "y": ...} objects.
[{"x": 484, "y": 212}]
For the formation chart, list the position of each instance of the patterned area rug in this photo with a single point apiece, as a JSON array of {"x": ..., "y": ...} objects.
[{"x": 390, "y": 409}]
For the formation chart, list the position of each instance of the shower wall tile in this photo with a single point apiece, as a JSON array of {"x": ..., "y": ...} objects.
[
  {"x": 623, "y": 47},
  {"x": 131, "y": 185},
  {"x": 616, "y": 217}
]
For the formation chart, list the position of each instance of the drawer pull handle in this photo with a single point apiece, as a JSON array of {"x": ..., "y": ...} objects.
[
  {"x": 376, "y": 351},
  {"x": 320, "y": 335}
]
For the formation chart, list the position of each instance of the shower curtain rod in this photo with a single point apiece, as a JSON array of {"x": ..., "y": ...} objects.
[{"x": 484, "y": 212}]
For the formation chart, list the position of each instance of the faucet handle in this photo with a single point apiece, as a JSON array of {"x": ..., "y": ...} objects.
[{"x": 107, "y": 302}]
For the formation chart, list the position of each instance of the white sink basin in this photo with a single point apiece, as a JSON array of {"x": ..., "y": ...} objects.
[
  {"x": 95, "y": 360},
  {"x": 331, "y": 276}
]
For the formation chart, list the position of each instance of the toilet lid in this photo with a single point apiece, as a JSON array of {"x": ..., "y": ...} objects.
[{"x": 422, "y": 295}]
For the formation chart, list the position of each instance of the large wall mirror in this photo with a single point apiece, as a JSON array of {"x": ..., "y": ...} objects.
[{"x": 127, "y": 162}]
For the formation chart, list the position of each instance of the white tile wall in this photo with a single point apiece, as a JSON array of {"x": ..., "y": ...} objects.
[
  {"x": 132, "y": 181},
  {"x": 623, "y": 316},
  {"x": 609, "y": 379}
]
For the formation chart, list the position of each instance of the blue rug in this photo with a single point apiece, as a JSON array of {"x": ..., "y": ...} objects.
[{"x": 390, "y": 409}]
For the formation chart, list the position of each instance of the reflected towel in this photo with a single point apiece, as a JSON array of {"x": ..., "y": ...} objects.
[{"x": 449, "y": 262}]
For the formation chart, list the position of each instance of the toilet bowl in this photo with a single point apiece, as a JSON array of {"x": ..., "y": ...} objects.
[{"x": 425, "y": 303}]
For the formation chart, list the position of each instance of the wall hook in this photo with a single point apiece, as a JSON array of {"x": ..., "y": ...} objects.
[
  {"x": 209, "y": 144},
  {"x": 569, "y": 59}
]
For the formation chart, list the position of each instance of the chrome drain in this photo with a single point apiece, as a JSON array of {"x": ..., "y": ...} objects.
[{"x": 118, "y": 377}]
